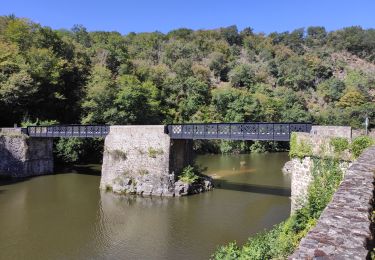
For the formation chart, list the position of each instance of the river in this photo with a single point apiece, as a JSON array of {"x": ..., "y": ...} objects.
[{"x": 65, "y": 216}]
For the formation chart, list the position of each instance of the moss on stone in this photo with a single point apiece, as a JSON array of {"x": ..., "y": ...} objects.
[
  {"x": 143, "y": 172},
  {"x": 299, "y": 149},
  {"x": 153, "y": 153},
  {"x": 118, "y": 154}
]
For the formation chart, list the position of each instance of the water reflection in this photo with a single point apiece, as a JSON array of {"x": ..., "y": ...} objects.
[
  {"x": 65, "y": 216},
  {"x": 263, "y": 189}
]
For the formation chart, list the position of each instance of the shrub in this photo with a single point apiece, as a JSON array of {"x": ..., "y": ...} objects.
[
  {"x": 188, "y": 175},
  {"x": 79, "y": 150},
  {"x": 231, "y": 251},
  {"x": 282, "y": 239},
  {"x": 299, "y": 149},
  {"x": 258, "y": 147},
  {"x": 359, "y": 144},
  {"x": 339, "y": 145}
]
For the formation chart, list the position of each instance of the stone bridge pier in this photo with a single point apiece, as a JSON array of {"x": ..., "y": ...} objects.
[
  {"x": 22, "y": 156},
  {"x": 144, "y": 160}
]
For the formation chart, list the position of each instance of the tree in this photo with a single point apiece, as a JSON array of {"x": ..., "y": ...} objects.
[
  {"x": 218, "y": 65},
  {"x": 316, "y": 36},
  {"x": 242, "y": 75},
  {"x": 101, "y": 91},
  {"x": 16, "y": 84},
  {"x": 351, "y": 99},
  {"x": 81, "y": 35},
  {"x": 136, "y": 103},
  {"x": 196, "y": 95},
  {"x": 331, "y": 89},
  {"x": 230, "y": 34}
]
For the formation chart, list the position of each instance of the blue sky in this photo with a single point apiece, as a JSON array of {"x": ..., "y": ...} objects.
[{"x": 164, "y": 15}]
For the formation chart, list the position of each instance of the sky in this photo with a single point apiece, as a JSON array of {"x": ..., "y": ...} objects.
[{"x": 164, "y": 15}]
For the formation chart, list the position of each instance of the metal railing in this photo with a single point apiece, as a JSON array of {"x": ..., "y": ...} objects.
[
  {"x": 228, "y": 131},
  {"x": 237, "y": 131},
  {"x": 82, "y": 131}
]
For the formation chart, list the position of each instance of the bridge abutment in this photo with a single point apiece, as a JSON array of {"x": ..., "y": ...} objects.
[
  {"x": 144, "y": 160},
  {"x": 22, "y": 156}
]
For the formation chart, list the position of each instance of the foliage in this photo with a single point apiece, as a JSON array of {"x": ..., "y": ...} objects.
[
  {"x": 223, "y": 75},
  {"x": 299, "y": 148},
  {"x": 189, "y": 175},
  {"x": 37, "y": 122},
  {"x": 75, "y": 150},
  {"x": 359, "y": 144},
  {"x": 339, "y": 144},
  {"x": 280, "y": 241},
  {"x": 153, "y": 153}
]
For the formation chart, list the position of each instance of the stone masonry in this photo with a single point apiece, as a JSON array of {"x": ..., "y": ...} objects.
[
  {"x": 21, "y": 156},
  {"x": 343, "y": 229},
  {"x": 144, "y": 160},
  {"x": 301, "y": 177},
  {"x": 301, "y": 169}
]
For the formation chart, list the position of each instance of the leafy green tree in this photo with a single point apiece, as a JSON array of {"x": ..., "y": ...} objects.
[
  {"x": 231, "y": 35},
  {"x": 242, "y": 76},
  {"x": 218, "y": 65},
  {"x": 316, "y": 36},
  {"x": 81, "y": 35},
  {"x": 331, "y": 89},
  {"x": 136, "y": 103},
  {"x": 351, "y": 98},
  {"x": 101, "y": 91}
]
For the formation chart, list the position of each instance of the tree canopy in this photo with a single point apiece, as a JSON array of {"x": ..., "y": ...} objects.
[{"x": 77, "y": 76}]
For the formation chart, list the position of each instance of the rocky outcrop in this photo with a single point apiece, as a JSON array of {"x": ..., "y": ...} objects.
[
  {"x": 343, "y": 229},
  {"x": 21, "y": 156},
  {"x": 144, "y": 160},
  {"x": 203, "y": 184}
]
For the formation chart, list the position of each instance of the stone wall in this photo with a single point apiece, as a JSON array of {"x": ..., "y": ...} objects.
[
  {"x": 316, "y": 144},
  {"x": 321, "y": 146},
  {"x": 343, "y": 229},
  {"x": 144, "y": 160},
  {"x": 332, "y": 131},
  {"x": 301, "y": 177},
  {"x": 21, "y": 156}
]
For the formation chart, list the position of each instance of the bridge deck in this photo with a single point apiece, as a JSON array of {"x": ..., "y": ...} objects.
[
  {"x": 237, "y": 131},
  {"x": 228, "y": 131},
  {"x": 82, "y": 131}
]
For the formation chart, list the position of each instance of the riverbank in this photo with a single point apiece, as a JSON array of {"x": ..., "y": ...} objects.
[{"x": 324, "y": 169}]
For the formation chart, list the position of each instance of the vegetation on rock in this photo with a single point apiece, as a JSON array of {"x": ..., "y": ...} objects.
[
  {"x": 282, "y": 239},
  {"x": 189, "y": 175},
  {"x": 153, "y": 153},
  {"x": 299, "y": 149},
  {"x": 360, "y": 143}
]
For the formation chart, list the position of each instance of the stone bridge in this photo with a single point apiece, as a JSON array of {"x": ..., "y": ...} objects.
[
  {"x": 137, "y": 159},
  {"x": 227, "y": 131},
  {"x": 143, "y": 159}
]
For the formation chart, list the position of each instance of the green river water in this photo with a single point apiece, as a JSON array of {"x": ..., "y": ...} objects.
[{"x": 65, "y": 216}]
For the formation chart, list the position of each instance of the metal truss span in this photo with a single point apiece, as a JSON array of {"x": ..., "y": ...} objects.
[
  {"x": 237, "y": 131},
  {"x": 82, "y": 131}
]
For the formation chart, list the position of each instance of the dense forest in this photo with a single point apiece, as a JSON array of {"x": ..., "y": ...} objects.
[{"x": 226, "y": 75}]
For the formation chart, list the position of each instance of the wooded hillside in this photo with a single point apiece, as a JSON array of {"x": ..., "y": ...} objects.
[{"x": 76, "y": 76}]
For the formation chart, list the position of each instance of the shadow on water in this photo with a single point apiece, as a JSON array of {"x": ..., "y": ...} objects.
[
  {"x": 262, "y": 189},
  {"x": 78, "y": 169},
  {"x": 59, "y": 169},
  {"x": 8, "y": 180}
]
